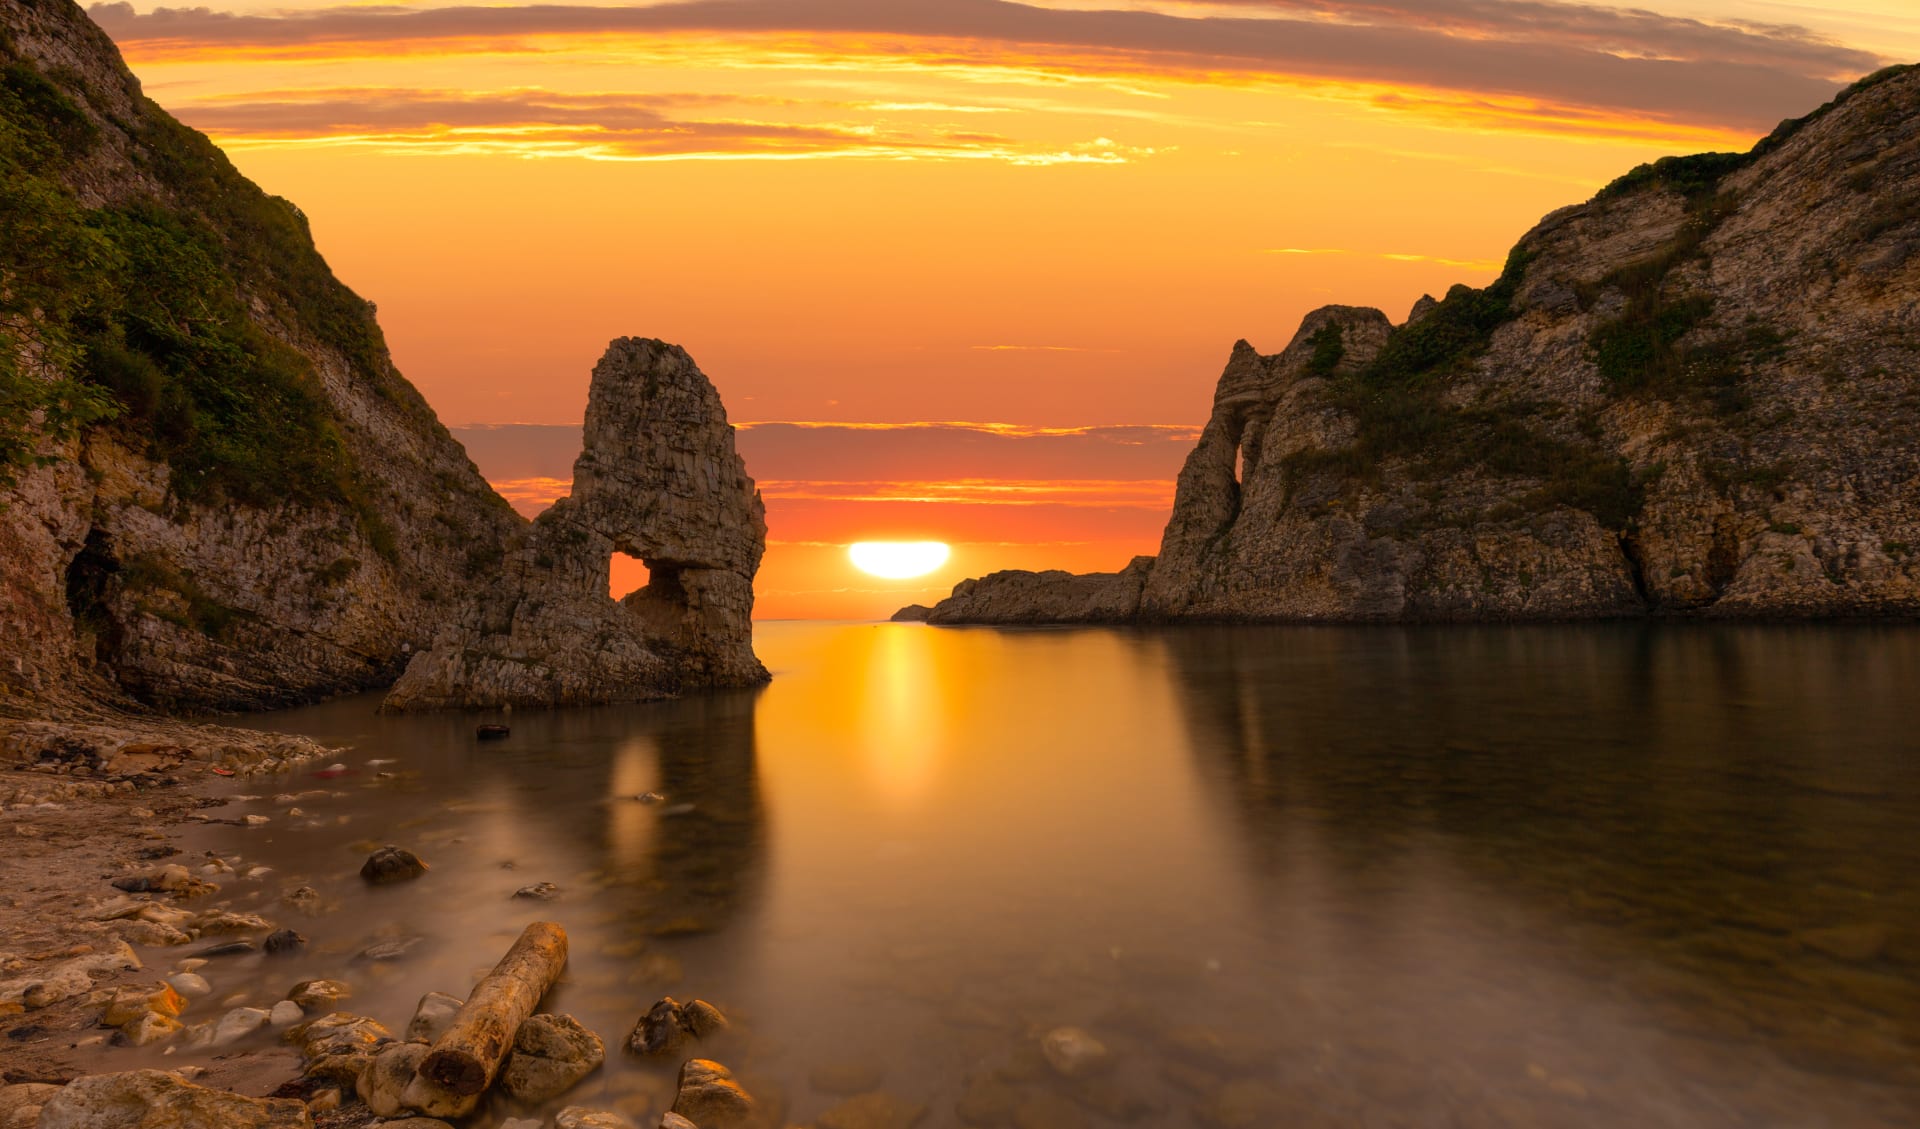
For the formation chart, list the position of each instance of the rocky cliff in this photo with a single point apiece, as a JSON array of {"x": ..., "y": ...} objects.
[
  {"x": 217, "y": 492},
  {"x": 1697, "y": 393},
  {"x": 657, "y": 479}
]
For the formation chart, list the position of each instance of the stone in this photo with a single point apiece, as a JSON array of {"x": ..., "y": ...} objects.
[
  {"x": 319, "y": 995},
  {"x": 285, "y": 942},
  {"x": 551, "y": 1054},
  {"x": 872, "y": 1111},
  {"x": 71, "y": 977},
  {"x": 20, "y": 1104},
  {"x": 190, "y": 984},
  {"x": 238, "y": 1024},
  {"x": 1074, "y": 1053},
  {"x": 846, "y": 1078},
  {"x": 672, "y": 1120},
  {"x": 580, "y": 1117},
  {"x": 710, "y": 1097},
  {"x": 129, "y": 1004},
  {"x": 426, "y": 1096},
  {"x": 152, "y": 1099},
  {"x": 662, "y": 1031},
  {"x": 338, "y": 1033},
  {"x": 286, "y": 1013},
  {"x": 432, "y": 1016},
  {"x": 702, "y": 1019},
  {"x": 305, "y": 899},
  {"x": 225, "y": 949},
  {"x": 219, "y": 921},
  {"x": 416, "y": 1123},
  {"x": 148, "y": 1028},
  {"x": 658, "y": 479},
  {"x": 392, "y": 864},
  {"x": 324, "y": 1101},
  {"x": 539, "y": 891},
  {"x": 384, "y": 1082}
]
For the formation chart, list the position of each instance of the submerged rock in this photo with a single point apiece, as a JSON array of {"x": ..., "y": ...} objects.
[
  {"x": 657, "y": 479},
  {"x": 284, "y": 942},
  {"x": 670, "y": 1025},
  {"x": 1074, "y": 1053},
  {"x": 152, "y": 1099},
  {"x": 319, "y": 995},
  {"x": 392, "y": 864}
]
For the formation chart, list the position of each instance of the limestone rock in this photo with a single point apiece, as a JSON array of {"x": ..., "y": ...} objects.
[
  {"x": 551, "y": 1054},
  {"x": 151, "y": 1099},
  {"x": 657, "y": 479},
  {"x": 432, "y": 1016},
  {"x": 384, "y": 1083},
  {"x": 238, "y": 1024},
  {"x": 710, "y": 1098},
  {"x": 1536, "y": 450},
  {"x": 912, "y": 613},
  {"x": 319, "y": 995}
]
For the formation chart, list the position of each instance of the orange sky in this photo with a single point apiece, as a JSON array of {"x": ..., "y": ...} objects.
[{"x": 1055, "y": 215}]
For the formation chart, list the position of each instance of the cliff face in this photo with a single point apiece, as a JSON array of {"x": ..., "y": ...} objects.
[
  {"x": 217, "y": 492},
  {"x": 1695, "y": 394},
  {"x": 657, "y": 479}
]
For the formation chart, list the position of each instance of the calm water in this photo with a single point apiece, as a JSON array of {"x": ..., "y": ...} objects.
[{"x": 1555, "y": 876}]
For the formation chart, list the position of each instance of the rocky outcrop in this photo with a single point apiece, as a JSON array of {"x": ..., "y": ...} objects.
[
  {"x": 218, "y": 493},
  {"x": 1017, "y": 596},
  {"x": 1695, "y": 394},
  {"x": 657, "y": 479}
]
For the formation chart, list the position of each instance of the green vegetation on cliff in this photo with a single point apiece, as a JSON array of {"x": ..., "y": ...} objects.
[{"x": 136, "y": 314}]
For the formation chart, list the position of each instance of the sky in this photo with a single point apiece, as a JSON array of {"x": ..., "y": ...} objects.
[{"x": 963, "y": 270}]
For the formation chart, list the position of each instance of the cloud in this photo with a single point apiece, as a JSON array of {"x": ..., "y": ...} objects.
[
  {"x": 924, "y": 452},
  {"x": 533, "y": 122},
  {"x": 1617, "y": 61}
]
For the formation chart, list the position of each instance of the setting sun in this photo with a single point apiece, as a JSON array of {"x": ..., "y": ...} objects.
[{"x": 898, "y": 560}]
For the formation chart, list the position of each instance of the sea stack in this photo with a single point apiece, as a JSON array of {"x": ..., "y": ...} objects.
[{"x": 657, "y": 479}]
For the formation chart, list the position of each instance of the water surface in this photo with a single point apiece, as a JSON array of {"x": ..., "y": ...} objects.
[{"x": 1542, "y": 876}]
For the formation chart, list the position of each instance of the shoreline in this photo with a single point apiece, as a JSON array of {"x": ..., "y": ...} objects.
[{"x": 84, "y": 803}]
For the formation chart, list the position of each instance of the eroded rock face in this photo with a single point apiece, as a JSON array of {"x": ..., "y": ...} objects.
[
  {"x": 1696, "y": 394},
  {"x": 657, "y": 479},
  {"x": 123, "y": 576}
]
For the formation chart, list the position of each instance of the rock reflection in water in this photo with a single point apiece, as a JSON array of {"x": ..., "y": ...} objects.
[{"x": 1231, "y": 877}]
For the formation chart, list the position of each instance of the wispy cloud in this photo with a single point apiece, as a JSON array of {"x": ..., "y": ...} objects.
[
  {"x": 611, "y": 126},
  {"x": 1567, "y": 62},
  {"x": 1390, "y": 256}
]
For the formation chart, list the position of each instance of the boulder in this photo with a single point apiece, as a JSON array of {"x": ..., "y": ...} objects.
[
  {"x": 153, "y": 1099},
  {"x": 669, "y": 1025},
  {"x": 551, "y": 1054},
  {"x": 319, "y": 995},
  {"x": 383, "y": 1084},
  {"x": 710, "y": 1098},
  {"x": 338, "y": 1033},
  {"x": 432, "y": 1016},
  {"x": 238, "y": 1024},
  {"x": 392, "y": 864}
]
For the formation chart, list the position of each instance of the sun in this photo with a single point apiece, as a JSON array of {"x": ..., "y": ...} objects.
[{"x": 898, "y": 560}]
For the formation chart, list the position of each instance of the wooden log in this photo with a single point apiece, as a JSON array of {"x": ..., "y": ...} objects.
[{"x": 465, "y": 1059}]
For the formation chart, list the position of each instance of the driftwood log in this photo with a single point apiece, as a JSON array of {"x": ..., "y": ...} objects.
[{"x": 465, "y": 1059}]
